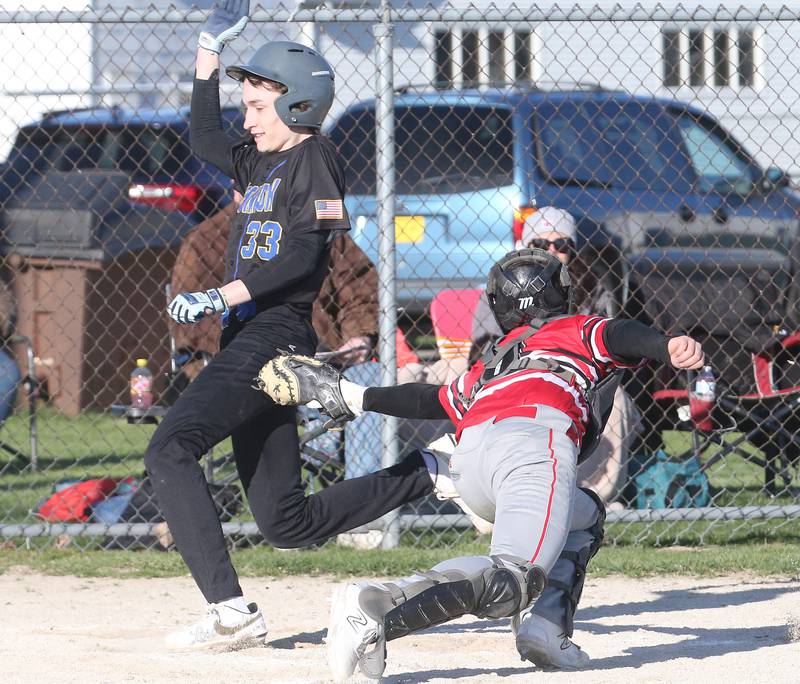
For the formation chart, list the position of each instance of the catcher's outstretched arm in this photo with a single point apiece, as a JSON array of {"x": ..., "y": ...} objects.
[
  {"x": 412, "y": 400},
  {"x": 631, "y": 340},
  {"x": 295, "y": 380}
]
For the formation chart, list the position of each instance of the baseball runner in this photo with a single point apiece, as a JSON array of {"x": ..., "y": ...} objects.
[
  {"x": 277, "y": 255},
  {"x": 526, "y": 413}
]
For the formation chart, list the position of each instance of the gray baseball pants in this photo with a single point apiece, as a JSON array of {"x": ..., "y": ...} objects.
[{"x": 521, "y": 474}]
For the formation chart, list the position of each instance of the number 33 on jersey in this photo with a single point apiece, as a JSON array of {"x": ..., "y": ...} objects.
[{"x": 261, "y": 239}]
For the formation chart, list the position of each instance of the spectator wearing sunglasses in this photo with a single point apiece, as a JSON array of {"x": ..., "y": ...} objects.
[{"x": 555, "y": 230}]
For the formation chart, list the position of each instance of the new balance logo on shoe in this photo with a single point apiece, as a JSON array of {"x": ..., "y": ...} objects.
[
  {"x": 357, "y": 621},
  {"x": 350, "y": 631}
]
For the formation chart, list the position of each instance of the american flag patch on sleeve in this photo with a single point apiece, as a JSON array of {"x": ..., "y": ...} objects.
[{"x": 329, "y": 209}]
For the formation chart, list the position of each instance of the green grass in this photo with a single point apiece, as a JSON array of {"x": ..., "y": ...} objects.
[
  {"x": 700, "y": 533},
  {"x": 88, "y": 446},
  {"x": 98, "y": 445},
  {"x": 632, "y": 561},
  {"x": 93, "y": 445}
]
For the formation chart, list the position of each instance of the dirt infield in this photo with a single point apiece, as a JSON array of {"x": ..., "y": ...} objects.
[{"x": 67, "y": 629}]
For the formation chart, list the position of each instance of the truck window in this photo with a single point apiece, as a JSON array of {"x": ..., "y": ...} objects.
[
  {"x": 439, "y": 149},
  {"x": 140, "y": 150},
  {"x": 717, "y": 164},
  {"x": 606, "y": 144}
]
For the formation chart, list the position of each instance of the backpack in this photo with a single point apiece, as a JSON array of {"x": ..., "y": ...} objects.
[
  {"x": 666, "y": 483},
  {"x": 74, "y": 502},
  {"x": 143, "y": 508}
]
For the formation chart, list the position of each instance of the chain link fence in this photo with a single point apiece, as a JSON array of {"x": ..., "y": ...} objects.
[{"x": 669, "y": 134}]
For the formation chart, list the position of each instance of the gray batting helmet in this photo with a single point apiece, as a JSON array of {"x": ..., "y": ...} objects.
[{"x": 304, "y": 72}]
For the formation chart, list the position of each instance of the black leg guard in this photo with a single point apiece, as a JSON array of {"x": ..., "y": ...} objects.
[
  {"x": 577, "y": 561},
  {"x": 503, "y": 589},
  {"x": 440, "y": 603}
]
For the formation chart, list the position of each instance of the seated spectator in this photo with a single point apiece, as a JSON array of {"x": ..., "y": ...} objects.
[{"x": 555, "y": 230}]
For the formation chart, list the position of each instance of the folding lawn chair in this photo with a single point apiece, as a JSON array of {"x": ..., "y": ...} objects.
[
  {"x": 451, "y": 317},
  {"x": 763, "y": 408},
  {"x": 740, "y": 311}
]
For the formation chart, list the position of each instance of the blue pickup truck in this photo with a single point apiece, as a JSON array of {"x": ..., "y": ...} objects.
[{"x": 643, "y": 177}]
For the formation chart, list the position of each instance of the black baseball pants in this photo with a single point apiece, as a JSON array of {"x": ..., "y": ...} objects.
[{"x": 222, "y": 402}]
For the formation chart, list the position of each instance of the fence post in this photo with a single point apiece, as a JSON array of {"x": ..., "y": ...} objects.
[{"x": 387, "y": 293}]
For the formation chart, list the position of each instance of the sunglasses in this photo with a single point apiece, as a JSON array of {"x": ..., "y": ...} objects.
[{"x": 562, "y": 245}]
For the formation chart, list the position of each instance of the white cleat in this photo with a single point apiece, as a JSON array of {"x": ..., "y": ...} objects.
[
  {"x": 546, "y": 645},
  {"x": 224, "y": 627},
  {"x": 350, "y": 632},
  {"x": 443, "y": 486}
]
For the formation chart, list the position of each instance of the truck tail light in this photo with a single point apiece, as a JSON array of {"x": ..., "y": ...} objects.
[
  {"x": 520, "y": 215},
  {"x": 167, "y": 196}
]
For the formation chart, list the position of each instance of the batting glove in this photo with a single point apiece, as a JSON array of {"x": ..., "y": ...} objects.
[
  {"x": 226, "y": 21},
  {"x": 190, "y": 307}
]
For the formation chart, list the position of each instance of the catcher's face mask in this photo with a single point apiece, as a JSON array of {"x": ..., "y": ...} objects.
[{"x": 528, "y": 284}]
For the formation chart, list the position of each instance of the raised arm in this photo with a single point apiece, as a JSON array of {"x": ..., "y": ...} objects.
[{"x": 208, "y": 139}]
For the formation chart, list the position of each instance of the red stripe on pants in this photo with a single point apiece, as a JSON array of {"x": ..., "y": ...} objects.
[{"x": 549, "y": 499}]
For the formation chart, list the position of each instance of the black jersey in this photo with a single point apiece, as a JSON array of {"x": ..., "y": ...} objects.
[
  {"x": 288, "y": 197},
  {"x": 293, "y": 203}
]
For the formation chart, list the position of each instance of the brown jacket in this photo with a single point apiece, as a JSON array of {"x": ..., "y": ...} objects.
[
  {"x": 347, "y": 305},
  {"x": 8, "y": 312}
]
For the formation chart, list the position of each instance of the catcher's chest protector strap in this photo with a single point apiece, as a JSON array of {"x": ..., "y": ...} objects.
[
  {"x": 506, "y": 587},
  {"x": 501, "y": 360},
  {"x": 600, "y": 400}
]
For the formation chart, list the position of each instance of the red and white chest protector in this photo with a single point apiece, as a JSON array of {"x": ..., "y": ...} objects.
[{"x": 575, "y": 343}]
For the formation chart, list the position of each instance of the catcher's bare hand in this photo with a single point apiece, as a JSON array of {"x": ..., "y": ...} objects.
[
  {"x": 685, "y": 352},
  {"x": 295, "y": 380}
]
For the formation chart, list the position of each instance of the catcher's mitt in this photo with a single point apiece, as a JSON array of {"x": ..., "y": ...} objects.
[{"x": 293, "y": 380}]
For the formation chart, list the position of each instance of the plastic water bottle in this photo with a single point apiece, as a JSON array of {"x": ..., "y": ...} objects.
[
  {"x": 141, "y": 385},
  {"x": 702, "y": 397}
]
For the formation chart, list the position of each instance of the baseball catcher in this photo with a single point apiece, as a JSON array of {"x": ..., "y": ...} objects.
[{"x": 526, "y": 413}]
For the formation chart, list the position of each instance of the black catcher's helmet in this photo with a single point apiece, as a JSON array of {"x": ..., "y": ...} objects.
[{"x": 528, "y": 284}]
